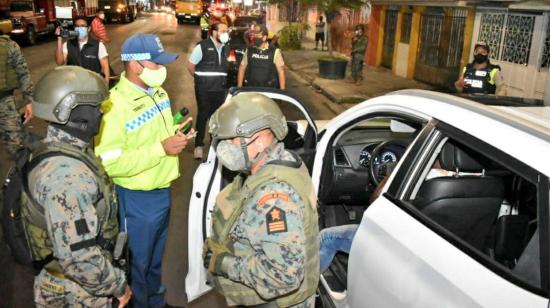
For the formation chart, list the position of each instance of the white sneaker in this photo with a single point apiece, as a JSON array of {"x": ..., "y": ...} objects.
[{"x": 198, "y": 153}]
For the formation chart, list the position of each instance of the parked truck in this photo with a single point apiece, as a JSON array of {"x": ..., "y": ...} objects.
[
  {"x": 31, "y": 18},
  {"x": 67, "y": 10},
  {"x": 121, "y": 10}
]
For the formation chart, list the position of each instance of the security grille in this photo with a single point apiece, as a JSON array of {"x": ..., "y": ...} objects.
[
  {"x": 406, "y": 28},
  {"x": 389, "y": 37},
  {"x": 545, "y": 61},
  {"x": 490, "y": 32}
]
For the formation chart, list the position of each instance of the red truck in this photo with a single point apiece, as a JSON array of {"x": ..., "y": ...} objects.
[{"x": 35, "y": 17}]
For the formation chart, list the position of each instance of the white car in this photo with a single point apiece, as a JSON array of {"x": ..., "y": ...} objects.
[{"x": 463, "y": 219}]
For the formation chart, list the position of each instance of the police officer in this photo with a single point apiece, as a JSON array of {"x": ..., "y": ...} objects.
[
  {"x": 480, "y": 76},
  {"x": 209, "y": 64},
  {"x": 83, "y": 50},
  {"x": 15, "y": 75},
  {"x": 264, "y": 245},
  {"x": 358, "y": 48},
  {"x": 69, "y": 211},
  {"x": 263, "y": 64}
]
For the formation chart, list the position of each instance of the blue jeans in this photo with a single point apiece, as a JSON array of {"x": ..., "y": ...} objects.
[
  {"x": 144, "y": 216},
  {"x": 335, "y": 239}
]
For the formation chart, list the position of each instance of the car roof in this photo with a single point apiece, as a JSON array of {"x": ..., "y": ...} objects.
[{"x": 530, "y": 118}]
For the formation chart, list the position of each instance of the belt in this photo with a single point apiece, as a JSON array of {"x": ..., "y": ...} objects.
[{"x": 4, "y": 94}]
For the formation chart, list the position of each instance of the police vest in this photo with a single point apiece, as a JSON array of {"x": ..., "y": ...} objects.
[
  {"x": 87, "y": 57},
  {"x": 32, "y": 212},
  {"x": 480, "y": 81},
  {"x": 211, "y": 71},
  {"x": 8, "y": 77},
  {"x": 261, "y": 70},
  {"x": 230, "y": 205}
]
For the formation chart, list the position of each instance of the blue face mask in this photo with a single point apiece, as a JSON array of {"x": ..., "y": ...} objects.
[{"x": 82, "y": 32}]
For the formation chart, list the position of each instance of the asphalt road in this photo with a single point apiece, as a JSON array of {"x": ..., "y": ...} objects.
[{"x": 16, "y": 281}]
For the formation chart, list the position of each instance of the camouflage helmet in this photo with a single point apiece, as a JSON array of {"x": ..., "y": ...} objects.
[
  {"x": 64, "y": 88},
  {"x": 246, "y": 114}
]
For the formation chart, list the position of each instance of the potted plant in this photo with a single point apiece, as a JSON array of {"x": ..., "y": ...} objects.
[{"x": 333, "y": 67}]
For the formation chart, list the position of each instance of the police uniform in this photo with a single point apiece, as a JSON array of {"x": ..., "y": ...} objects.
[
  {"x": 481, "y": 81},
  {"x": 358, "y": 49},
  {"x": 14, "y": 74},
  {"x": 70, "y": 194},
  {"x": 269, "y": 223},
  {"x": 261, "y": 66}
]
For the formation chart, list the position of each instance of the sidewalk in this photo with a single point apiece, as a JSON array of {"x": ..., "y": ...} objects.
[{"x": 378, "y": 80}]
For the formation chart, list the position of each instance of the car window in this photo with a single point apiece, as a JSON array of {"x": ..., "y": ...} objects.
[{"x": 484, "y": 202}]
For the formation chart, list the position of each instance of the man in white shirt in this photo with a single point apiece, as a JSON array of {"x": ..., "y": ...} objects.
[{"x": 83, "y": 50}]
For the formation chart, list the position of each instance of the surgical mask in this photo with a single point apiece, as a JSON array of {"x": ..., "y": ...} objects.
[
  {"x": 479, "y": 58},
  {"x": 82, "y": 32},
  {"x": 102, "y": 16},
  {"x": 258, "y": 42},
  {"x": 231, "y": 155},
  {"x": 153, "y": 78},
  {"x": 224, "y": 38}
]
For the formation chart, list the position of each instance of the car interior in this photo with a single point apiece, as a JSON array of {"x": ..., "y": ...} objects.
[{"x": 484, "y": 204}]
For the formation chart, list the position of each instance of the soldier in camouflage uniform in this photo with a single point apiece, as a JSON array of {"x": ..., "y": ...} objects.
[
  {"x": 69, "y": 212},
  {"x": 13, "y": 74},
  {"x": 264, "y": 246},
  {"x": 358, "y": 48}
]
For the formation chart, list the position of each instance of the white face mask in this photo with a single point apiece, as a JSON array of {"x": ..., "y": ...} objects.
[{"x": 224, "y": 38}]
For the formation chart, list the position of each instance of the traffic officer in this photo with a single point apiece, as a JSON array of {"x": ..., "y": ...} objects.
[
  {"x": 139, "y": 148},
  {"x": 69, "y": 211},
  {"x": 264, "y": 244},
  {"x": 480, "y": 76},
  {"x": 263, "y": 64},
  {"x": 358, "y": 48},
  {"x": 83, "y": 50},
  {"x": 209, "y": 65},
  {"x": 15, "y": 75}
]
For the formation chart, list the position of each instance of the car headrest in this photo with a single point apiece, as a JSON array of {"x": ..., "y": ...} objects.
[{"x": 452, "y": 158}]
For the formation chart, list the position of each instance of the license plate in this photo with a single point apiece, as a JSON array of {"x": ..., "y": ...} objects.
[
  {"x": 188, "y": 17},
  {"x": 107, "y": 7}
]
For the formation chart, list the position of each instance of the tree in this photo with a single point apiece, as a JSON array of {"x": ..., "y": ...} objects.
[
  {"x": 291, "y": 7},
  {"x": 331, "y": 9}
]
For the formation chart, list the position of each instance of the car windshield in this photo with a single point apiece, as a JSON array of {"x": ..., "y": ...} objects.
[{"x": 20, "y": 6}]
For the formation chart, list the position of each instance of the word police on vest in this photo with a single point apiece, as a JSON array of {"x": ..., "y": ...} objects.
[{"x": 257, "y": 56}]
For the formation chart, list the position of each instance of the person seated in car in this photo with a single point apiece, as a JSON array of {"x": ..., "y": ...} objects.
[{"x": 339, "y": 238}]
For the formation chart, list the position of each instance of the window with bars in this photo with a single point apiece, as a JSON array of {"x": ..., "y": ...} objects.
[
  {"x": 406, "y": 25},
  {"x": 545, "y": 61},
  {"x": 508, "y": 35}
]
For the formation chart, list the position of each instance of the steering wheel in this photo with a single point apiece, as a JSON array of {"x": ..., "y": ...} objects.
[{"x": 379, "y": 171}]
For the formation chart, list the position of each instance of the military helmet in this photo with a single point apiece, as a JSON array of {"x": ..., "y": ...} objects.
[
  {"x": 246, "y": 114},
  {"x": 64, "y": 88}
]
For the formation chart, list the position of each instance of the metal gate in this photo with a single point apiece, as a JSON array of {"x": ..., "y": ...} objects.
[
  {"x": 440, "y": 47},
  {"x": 389, "y": 37}
]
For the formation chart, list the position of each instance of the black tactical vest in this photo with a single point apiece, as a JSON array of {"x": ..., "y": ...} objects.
[
  {"x": 480, "y": 81},
  {"x": 261, "y": 70},
  {"x": 87, "y": 57},
  {"x": 210, "y": 72}
]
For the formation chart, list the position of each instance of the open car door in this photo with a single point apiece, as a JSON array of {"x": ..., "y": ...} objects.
[{"x": 210, "y": 177}]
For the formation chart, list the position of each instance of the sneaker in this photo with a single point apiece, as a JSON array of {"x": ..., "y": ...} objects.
[{"x": 198, "y": 153}]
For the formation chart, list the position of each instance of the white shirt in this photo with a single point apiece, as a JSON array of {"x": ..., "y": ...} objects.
[{"x": 102, "y": 52}]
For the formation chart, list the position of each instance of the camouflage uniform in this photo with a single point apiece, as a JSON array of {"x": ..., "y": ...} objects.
[
  {"x": 358, "y": 49},
  {"x": 67, "y": 189},
  {"x": 277, "y": 267},
  {"x": 11, "y": 128}
]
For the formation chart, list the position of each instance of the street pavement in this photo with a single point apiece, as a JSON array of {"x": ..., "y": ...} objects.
[{"x": 16, "y": 281}]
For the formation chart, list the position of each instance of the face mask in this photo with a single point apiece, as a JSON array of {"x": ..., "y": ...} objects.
[
  {"x": 84, "y": 122},
  {"x": 102, "y": 16},
  {"x": 231, "y": 155},
  {"x": 153, "y": 78},
  {"x": 479, "y": 58},
  {"x": 82, "y": 32},
  {"x": 224, "y": 38},
  {"x": 358, "y": 32},
  {"x": 258, "y": 42}
]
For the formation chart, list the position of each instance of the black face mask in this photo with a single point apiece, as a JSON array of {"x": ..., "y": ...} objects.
[
  {"x": 479, "y": 58},
  {"x": 258, "y": 42},
  {"x": 84, "y": 122}
]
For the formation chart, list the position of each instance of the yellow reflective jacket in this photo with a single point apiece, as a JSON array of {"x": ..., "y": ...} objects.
[{"x": 129, "y": 143}]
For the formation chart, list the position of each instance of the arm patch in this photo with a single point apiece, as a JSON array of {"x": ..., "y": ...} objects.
[
  {"x": 81, "y": 227},
  {"x": 276, "y": 221}
]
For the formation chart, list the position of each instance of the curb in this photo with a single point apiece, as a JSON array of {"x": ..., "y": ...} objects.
[{"x": 332, "y": 105}]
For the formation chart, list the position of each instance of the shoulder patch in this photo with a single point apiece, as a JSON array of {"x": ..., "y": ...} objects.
[
  {"x": 276, "y": 221},
  {"x": 273, "y": 195}
]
